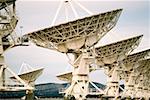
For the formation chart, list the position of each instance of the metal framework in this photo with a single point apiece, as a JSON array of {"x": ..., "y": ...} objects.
[
  {"x": 8, "y": 19},
  {"x": 140, "y": 79},
  {"x": 3, "y": 3},
  {"x": 67, "y": 37},
  {"x": 29, "y": 77},
  {"x": 110, "y": 56},
  {"x": 5, "y": 86},
  {"x": 65, "y": 76},
  {"x": 129, "y": 73},
  {"x": 8, "y": 22},
  {"x": 77, "y": 37}
]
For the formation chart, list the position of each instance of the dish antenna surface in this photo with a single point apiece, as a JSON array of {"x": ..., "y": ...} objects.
[
  {"x": 29, "y": 76},
  {"x": 110, "y": 56},
  {"x": 8, "y": 22},
  {"x": 126, "y": 71},
  {"x": 77, "y": 37}
]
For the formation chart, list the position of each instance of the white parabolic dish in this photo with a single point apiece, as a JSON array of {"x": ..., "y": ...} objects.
[
  {"x": 30, "y": 76},
  {"x": 74, "y": 35}
]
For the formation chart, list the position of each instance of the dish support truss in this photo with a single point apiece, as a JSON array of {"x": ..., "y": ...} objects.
[
  {"x": 80, "y": 81},
  {"x": 8, "y": 22},
  {"x": 77, "y": 37},
  {"x": 110, "y": 57},
  {"x": 139, "y": 80},
  {"x": 28, "y": 75},
  {"x": 74, "y": 35},
  {"x": 136, "y": 75}
]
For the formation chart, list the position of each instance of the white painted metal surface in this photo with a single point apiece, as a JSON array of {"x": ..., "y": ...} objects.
[
  {"x": 8, "y": 22},
  {"x": 110, "y": 56},
  {"x": 129, "y": 65},
  {"x": 77, "y": 37},
  {"x": 30, "y": 76}
]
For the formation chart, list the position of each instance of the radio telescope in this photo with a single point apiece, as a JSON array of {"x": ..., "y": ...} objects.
[
  {"x": 65, "y": 76},
  {"x": 129, "y": 73},
  {"x": 8, "y": 38},
  {"x": 140, "y": 76},
  {"x": 29, "y": 75},
  {"x": 110, "y": 56},
  {"x": 76, "y": 37},
  {"x": 8, "y": 18},
  {"x": 79, "y": 38}
]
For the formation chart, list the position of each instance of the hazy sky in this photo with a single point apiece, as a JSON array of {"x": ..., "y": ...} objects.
[{"x": 38, "y": 14}]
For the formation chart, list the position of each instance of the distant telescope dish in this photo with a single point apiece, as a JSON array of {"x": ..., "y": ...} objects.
[
  {"x": 143, "y": 64},
  {"x": 74, "y": 35},
  {"x": 65, "y": 76},
  {"x": 29, "y": 76},
  {"x": 132, "y": 59},
  {"x": 111, "y": 53},
  {"x": 142, "y": 68}
]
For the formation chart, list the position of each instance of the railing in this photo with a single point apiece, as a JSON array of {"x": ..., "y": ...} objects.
[
  {"x": 7, "y": 83},
  {"x": 92, "y": 91}
]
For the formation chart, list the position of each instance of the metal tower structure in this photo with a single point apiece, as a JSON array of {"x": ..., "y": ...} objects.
[
  {"x": 132, "y": 72},
  {"x": 8, "y": 39},
  {"x": 77, "y": 37},
  {"x": 8, "y": 21},
  {"x": 29, "y": 76},
  {"x": 109, "y": 57},
  {"x": 140, "y": 79}
]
